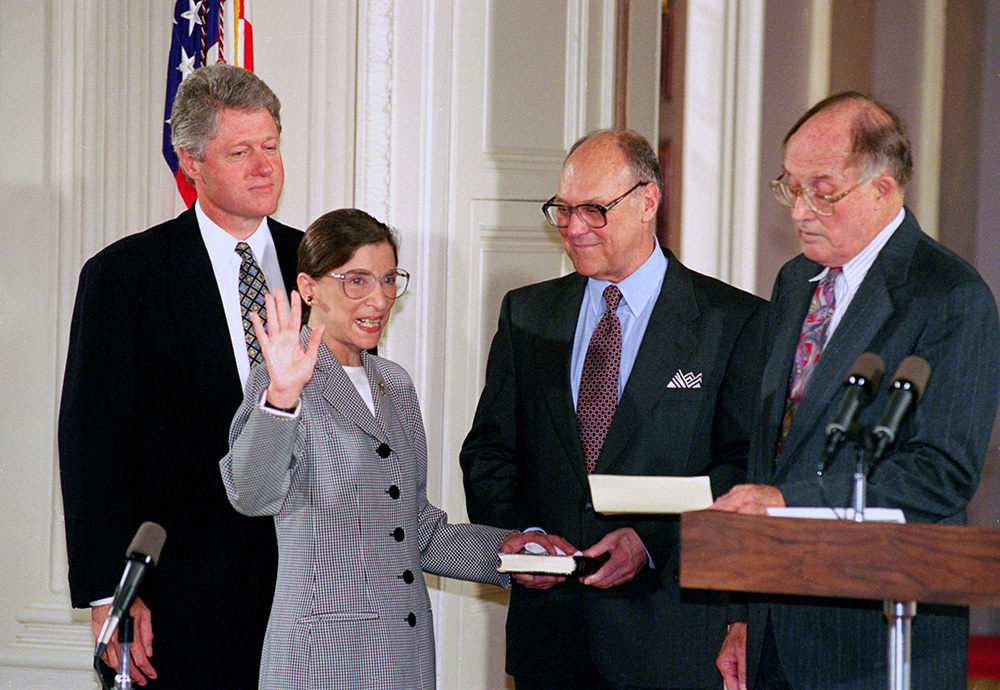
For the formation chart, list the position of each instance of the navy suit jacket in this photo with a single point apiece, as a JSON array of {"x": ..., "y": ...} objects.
[
  {"x": 524, "y": 466},
  {"x": 150, "y": 391},
  {"x": 920, "y": 299}
]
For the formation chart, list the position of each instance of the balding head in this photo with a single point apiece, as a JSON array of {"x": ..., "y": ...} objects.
[
  {"x": 616, "y": 171},
  {"x": 828, "y": 154},
  {"x": 878, "y": 138}
]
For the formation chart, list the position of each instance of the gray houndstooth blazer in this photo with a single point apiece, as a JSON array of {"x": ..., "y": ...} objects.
[{"x": 355, "y": 530}]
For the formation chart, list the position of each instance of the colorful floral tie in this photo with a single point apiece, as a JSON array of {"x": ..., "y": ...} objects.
[
  {"x": 253, "y": 287},
  {"x": 810, "y": 347},
  {"x": 598, "y": 395}
]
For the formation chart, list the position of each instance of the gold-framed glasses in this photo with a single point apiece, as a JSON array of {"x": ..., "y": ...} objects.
[
  {"x": 821, "y": 204},
  {"x": 359, "y": 282}
]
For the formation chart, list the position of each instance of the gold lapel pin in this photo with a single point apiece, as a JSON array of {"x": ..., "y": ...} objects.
[{"x": 381, "y": 387}]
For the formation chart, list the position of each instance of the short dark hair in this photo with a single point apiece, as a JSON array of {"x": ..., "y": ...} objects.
[
  {"x": 205, "y": 93},
  {"x": 333, "y": 238},
  {"x": 638, "y": 153},
  {"x": 879, "y": 137}
]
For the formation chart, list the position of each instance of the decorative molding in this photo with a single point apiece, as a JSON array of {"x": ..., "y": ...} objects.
[
  {"x": 328, "y": 121},
  {"x": 748, "y": 66},
  {"x": 577, "y": 24},
  {"x": 519, "y": 238},
  {"x": 820, "y": 49},
  {"x": 931, "y": 108},
  {"x": 723, "y": 67},
  {"x": 100, "y": 166},
  {"x": 49, "y": 638},
  {"x": 375, "y": 92},
  {"x": 513, "y": 159}
]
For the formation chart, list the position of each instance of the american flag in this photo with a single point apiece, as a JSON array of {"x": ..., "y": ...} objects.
[{"x": 205, "y": 32}]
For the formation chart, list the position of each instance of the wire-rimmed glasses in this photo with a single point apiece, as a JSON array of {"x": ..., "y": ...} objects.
[
  {"x": 358, "y": 283},
  {"x": 821, "y": 204}
]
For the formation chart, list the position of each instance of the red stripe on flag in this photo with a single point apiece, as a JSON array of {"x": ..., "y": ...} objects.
[
  {"x": 248, "y": 45},
  {"x": 188, "y": 193}
]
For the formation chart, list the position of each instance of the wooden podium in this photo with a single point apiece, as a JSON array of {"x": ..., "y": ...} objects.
[{"x": 898, "y": 564}]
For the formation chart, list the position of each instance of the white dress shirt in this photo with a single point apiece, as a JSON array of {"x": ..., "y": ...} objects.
[
  {"x": 854, "y": 271},
  {"x": 226, "y": 266}
]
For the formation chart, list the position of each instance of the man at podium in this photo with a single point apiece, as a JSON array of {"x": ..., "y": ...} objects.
[{"x": 868, "y": 280}]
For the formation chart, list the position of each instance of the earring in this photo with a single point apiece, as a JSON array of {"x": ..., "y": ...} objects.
[{"x": 309, "y": 300}]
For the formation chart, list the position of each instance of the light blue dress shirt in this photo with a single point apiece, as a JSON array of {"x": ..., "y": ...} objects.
[{"x": 639, "y": 293}]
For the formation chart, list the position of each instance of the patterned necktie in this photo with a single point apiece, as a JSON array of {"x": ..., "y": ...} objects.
[
  {"x": 598, "y": 395},
  {"x": 811, "y": 341},
  {"x": 253, "y": 287}
]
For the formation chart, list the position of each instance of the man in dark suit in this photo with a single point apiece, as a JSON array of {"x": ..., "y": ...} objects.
[
  {"x": 678, "y": 386},
  {"x": 157, "y": 356},
  {"x": 868, "y": 280}
]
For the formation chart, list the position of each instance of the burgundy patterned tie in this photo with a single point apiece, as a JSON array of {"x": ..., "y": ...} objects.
[
  {"x": 598, "y": 395},
  {"x": 811, "y": 341}
]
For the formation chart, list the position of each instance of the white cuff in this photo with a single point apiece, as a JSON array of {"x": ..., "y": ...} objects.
[{"x": 279, "y": 413}]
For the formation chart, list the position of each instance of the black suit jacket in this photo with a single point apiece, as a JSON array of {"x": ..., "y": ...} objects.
[
  {"x": 524, "y": 467},
  {"x": 917, "y": 299},
  {"x": 150, "y": 391}
]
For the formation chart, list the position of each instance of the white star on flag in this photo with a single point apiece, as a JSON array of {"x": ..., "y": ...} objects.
[
  {"x": 192, "y": 15},
  {"x": 186, "y": 65}
]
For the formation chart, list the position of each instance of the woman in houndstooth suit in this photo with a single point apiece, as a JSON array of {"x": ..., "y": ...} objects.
[{"x": 329, "y": 440}]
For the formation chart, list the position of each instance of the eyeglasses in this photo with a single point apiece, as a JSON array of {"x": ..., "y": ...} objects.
[
  {"x": 359, "y": 282},
  {"x": 591, "y": 215},
  {"x": 822, "y": 204}
]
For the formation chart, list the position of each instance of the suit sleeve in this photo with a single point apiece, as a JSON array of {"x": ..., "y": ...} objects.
[
  {"x": 97, "y": 449},
  {"x": 933, "y": 470},
  {"x": 734, "y": 412},
  {"x": 460, "y": 551},
  {"x": 490, "y": 464},
  {"x": 258, "y": 469}
]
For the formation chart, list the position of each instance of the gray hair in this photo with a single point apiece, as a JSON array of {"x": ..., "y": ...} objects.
[
  {"x": 205, "y": 93},
  {"x": 638, "y": 153}
]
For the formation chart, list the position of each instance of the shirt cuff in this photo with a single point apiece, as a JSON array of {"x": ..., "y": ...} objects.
[{"x": 277, "y": 411}]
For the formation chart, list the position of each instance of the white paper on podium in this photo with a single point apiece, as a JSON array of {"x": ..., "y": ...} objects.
[
  {"x": 871, "y": 514},
  {"x": 615, "y": 494}
]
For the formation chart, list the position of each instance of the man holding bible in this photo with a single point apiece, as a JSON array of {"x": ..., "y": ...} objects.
[
  {"x": 868, "y": 280},
  {"x": 632, "y": 365}
]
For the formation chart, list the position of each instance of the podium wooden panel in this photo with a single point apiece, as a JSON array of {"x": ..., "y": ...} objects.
[{"x": 945, "y": 564}]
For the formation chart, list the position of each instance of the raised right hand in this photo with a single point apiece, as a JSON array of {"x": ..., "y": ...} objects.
[{"x": 288, "y": 365}]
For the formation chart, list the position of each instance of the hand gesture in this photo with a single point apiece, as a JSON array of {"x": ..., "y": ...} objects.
[
  {"x": 732, "y": 659},
  {"x": 514, "y": 543},
  {"x": 288, "y": 365},
  {"x": 750, "y": 499},
  {"x": 140, "y": 649},
  {"x": 626, "y": 557}
]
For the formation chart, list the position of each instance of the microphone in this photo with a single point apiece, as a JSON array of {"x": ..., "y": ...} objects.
[
  {"x": 860, "y": 386},
  {"x": 907, "y": 387},
  {"x": 143, "y": 553}
]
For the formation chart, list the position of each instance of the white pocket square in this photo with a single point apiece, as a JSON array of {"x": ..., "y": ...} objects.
[{"x": 685, "y": 380}]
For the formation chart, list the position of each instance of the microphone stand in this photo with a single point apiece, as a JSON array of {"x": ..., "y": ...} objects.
[
  {"x": 860, "y": 496},
  {"x": 899, "y": 614},
  {"x": 123, "y": 681}
]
